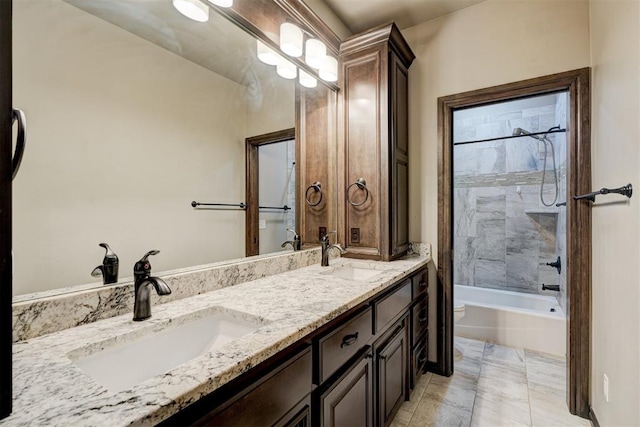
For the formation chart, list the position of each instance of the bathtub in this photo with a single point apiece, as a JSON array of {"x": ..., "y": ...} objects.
[{"x": 513, "y": 319}]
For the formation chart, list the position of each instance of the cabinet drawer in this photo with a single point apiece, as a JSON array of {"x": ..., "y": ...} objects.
[
  {"x": 419, "y": 319},
  {"x": 390, "y": 307},
  {"x": 420, "y": 283},
  {"x": 418, "y": 361},
  {"x": 342, "y": 343},
  {"x": 271, "y": 399}
]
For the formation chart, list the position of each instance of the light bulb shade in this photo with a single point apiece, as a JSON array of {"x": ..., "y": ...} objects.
[
  {"x": 222, "y": 3},
  {"x": 266, "y": 54},
  {"x": 291, "y": 39},
  {"x": 286, "y": 69},
  {"x": 329, "y": 72},
  {"x": 192, "y": 9},
  {"x": 306, "y": 80},
  {"x": 315, "y": 53}
]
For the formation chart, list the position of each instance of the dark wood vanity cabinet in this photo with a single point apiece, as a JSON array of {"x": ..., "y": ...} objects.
[
  {"x": 391, "y": 363},
  {"x": 348, "y": 400},
  {"x": 354, "y": 371},
  {"x": 373, "y": 143},
  {"x": 419, "y": 326}
]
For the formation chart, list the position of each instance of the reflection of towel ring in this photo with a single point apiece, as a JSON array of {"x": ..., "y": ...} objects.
[
  {"x": 362, "y": 185},
  {"x": 317, "y": 187}
]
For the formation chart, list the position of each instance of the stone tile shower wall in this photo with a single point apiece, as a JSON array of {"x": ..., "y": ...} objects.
[{"x": 503, "y": 234}]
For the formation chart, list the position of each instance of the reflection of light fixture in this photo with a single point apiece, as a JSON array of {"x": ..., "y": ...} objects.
[
  {"x": 329, "y": 72},
  {"x": 315, "y": 53},
  {"x": 193, "y": 9},
  {"x": 286, "y": 69},
  {"x": 306, "y": 80},
  {"x": 266, "y": 54},
  {"x": 222, "y": 3},
  {"x": 291, "y": 39}
]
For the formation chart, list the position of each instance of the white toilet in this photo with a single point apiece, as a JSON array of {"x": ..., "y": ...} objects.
[{"x": 458, "y": 311}]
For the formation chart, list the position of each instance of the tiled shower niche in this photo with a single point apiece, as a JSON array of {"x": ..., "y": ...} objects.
[{"x": 503, "y": 234}]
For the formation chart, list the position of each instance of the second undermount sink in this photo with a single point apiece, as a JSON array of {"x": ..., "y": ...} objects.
[
  {"x": 121, "y": 365},
  {"x": 361, "y": 272}
]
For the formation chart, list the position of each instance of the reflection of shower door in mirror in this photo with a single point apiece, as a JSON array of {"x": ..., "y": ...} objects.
[{"x": 270, "y": 192}]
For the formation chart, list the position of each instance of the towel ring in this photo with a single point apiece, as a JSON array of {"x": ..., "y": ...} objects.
[
  {"x": 362, "y": 185},
  {"x": 317, "y": 187}
]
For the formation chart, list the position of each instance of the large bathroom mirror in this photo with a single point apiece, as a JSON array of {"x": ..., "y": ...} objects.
[{"x": 133, "y": 112}]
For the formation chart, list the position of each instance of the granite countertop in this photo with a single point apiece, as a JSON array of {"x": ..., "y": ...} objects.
[{"x": 49, "y": 389}]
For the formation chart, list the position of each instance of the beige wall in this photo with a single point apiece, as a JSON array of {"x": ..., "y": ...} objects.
[
  {"x": 122, "y": 136},
  {"x": 487, "y": 44},
  {"x": 615, "y": 55}
]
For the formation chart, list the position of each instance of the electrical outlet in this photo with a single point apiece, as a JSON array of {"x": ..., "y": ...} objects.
[
  {"x": 355, "y": 235},
  {"x": 322, "y": 231},
  {"x": 605, "y": 387},
  {"x": 262, "y": 224}
]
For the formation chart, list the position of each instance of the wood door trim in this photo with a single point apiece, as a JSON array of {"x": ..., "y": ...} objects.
[
  {"x": 6, "y": 322},
  {"x": 252, "y": 144},
  {"x": 577, "y": 83}
]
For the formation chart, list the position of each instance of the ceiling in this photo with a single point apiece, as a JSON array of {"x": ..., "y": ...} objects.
[{"x": 359, "y": 15}]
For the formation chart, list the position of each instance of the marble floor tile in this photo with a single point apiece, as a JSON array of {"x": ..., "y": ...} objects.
[
  {"x": 546, "y": 370},
  {"x": 502, "y": 388},
  {"x": 431, "y": 413},
  {"x": 500, "y": 354},
  {"x": 417, "y": 393},
  {"x": 458, "y": 390},
  {"x": 492, "y": 385},
  {"x": 492, "y": 410},
  {"x": 549, "y": 408}
]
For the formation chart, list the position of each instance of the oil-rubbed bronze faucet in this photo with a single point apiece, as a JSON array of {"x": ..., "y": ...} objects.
[
  {"x": 295, "y": 243},
  {"x": 326, "y": 247},
  {"x": 143, "y": 280}
]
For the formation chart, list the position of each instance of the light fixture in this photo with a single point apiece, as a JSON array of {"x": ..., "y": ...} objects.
[
  {"x": 291, "y": 39},
  {"x": 286, "y": 69},
  {"x": 266, "y": 54},
  {"x": 193, "y": 9},
  {"x": 329, "y": 72},
  {"x": 306, "y": 80},
  {"x": 222, "y": 3},
  {"x": 315, "y": 53}
]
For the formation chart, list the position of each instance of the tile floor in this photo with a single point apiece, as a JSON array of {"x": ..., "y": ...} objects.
[{"x": 492, "y": 386}]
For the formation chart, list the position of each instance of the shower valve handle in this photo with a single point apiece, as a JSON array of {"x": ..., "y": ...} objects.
[{"x": 557, "y": 265}]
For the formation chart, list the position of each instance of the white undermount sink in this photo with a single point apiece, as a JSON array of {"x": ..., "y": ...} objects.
[
  {"x": 361, "y": 272},
  {"x": 122, "y": 365}
]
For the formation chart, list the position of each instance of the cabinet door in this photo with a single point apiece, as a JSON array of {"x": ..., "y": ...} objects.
[
  {"x": 399, "y": 149},
  {"x": 392, "y": 374},
  {"x": 349, "y": 401}
]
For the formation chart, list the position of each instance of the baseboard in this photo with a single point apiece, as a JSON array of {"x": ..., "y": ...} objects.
[{"x": 593, "y": 418}]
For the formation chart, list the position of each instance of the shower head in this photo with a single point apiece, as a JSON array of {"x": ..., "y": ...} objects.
[{"x": 520, "y": 132}]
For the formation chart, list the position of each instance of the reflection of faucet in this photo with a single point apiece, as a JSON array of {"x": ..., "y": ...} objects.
[
  {"x": 109, "y": 268},
  {"x": 143, "y": 278},
  {"x": 295, "y": 243},
  {"x": 326, "y": 247}
]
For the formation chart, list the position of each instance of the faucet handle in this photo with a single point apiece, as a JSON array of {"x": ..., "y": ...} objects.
[
  {"x": 144, "y": 266},
  {"x": 295, "y": 235},
  {"x": 148, "y": 254}
]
